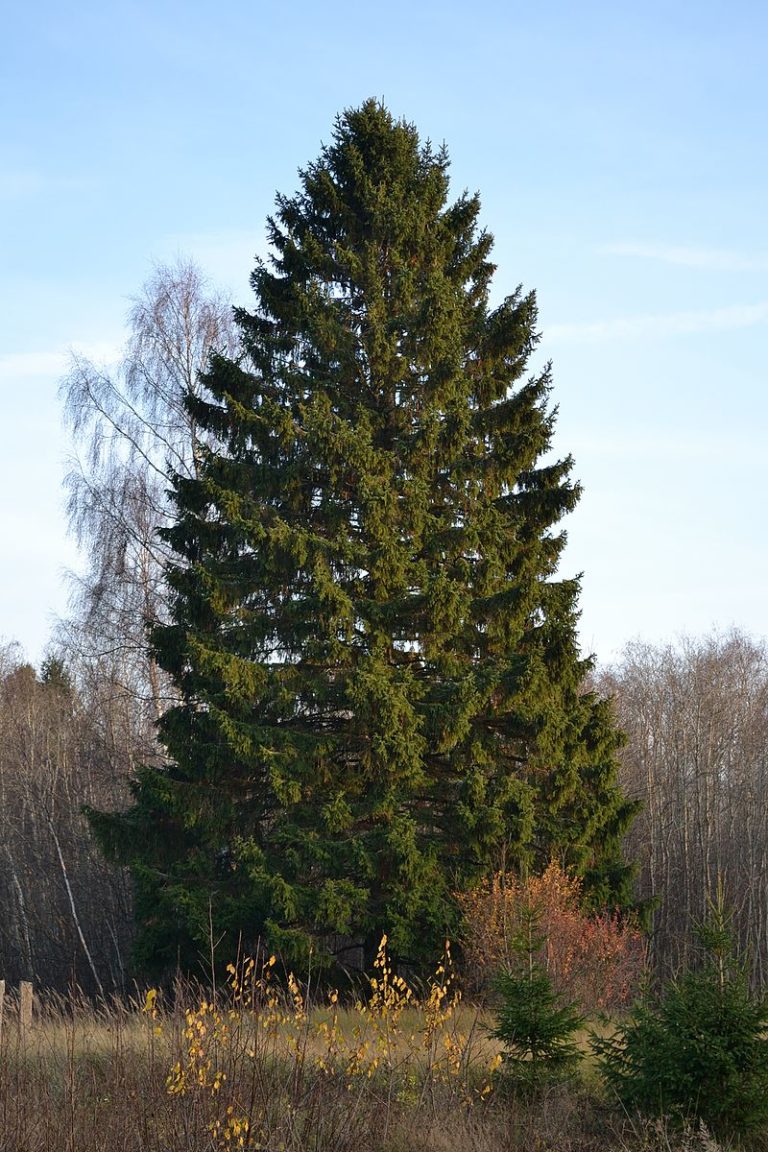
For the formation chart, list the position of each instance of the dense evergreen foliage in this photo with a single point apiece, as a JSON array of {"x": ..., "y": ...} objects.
[
  {"x": 701, "y": 1050},
  {"x": 534, "y": 1024},
  {"x": 381, "y": 689}
]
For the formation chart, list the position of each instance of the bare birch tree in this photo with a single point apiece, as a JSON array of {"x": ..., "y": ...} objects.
[
  {"x": 73, "y": 739},
  {"x": 133, "y": 431}
]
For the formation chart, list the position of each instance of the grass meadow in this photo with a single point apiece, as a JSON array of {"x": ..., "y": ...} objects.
[{"x": 262, "y": 1064}]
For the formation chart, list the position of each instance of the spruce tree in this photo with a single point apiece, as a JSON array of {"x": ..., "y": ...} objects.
[
  {"x": 699, "y": 1049},
  {"x": 381, "y": 686},
  {"x": 535, "y": 1026}
]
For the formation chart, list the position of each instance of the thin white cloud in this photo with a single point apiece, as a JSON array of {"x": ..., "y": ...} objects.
[
  {"x": 712, "y": 259},
  {"x": 227, "y": 256},
  {"x": 105, "y": 353},
  {"x": 27, "y": 365},
  {"x": 625, "y": 328},
  {"x": 22, "y": 183},
  {"x": 647, "y": 444},
  {"x": 17, "y": 366}
]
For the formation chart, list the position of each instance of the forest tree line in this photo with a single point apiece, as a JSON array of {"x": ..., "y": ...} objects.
[
  {"x": 320, "y": 673},
  {"x": 696, "y": 717}
]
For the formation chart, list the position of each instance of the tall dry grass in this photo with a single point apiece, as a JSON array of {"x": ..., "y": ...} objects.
[{"x": 264, "y": 1065}]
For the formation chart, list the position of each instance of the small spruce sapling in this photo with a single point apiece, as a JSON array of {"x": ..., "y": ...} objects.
[
  {"x": 534, "y": 1024},
  {"x": 699, "y": 1052}
]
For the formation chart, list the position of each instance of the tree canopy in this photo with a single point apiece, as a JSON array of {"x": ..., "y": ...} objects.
[{"x": 381, "y": 690}]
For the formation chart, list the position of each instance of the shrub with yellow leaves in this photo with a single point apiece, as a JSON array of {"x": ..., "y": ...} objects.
[{"x": 251, "y": 1058}]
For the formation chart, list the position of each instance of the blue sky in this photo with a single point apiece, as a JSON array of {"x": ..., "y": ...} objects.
[{"x": 619, "y": 152}]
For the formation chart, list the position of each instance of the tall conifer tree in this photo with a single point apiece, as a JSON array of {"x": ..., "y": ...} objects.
[{"x": 381, "y": 683}]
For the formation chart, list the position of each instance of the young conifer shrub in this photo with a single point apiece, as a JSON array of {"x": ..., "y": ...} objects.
[
  {"x": 700, "y": 1052},
  {"x": 534, "y": 1024}
]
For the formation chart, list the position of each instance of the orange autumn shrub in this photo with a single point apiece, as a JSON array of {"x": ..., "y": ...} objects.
[{"x": 596, "y": 960}]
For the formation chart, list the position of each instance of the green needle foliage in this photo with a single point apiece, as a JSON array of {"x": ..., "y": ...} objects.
[
  {"x": 381, "y": 685},
  {"x": 701, "y": 1051},
  {"x": 534, "y": 1025}
]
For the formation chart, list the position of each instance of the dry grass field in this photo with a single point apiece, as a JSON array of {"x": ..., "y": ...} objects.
[{"x": 256, "y": 1067}]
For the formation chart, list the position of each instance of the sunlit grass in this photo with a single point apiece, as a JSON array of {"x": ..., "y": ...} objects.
[{"x": 267, "y": 1064}]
